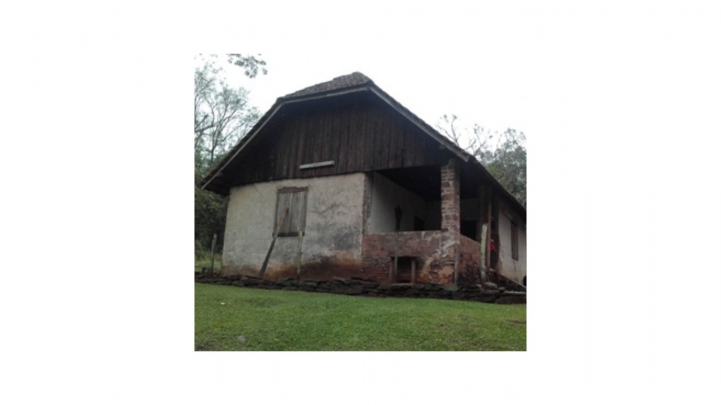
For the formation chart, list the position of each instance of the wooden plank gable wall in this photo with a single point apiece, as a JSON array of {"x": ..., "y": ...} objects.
[{"x": 361, "y": 136}]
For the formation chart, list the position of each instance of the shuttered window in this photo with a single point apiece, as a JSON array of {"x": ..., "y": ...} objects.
[
  {"x": 290, "y": 209},
  {"x": 514, "y": 241}
]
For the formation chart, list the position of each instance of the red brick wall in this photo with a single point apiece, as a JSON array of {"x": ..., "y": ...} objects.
[
  {"x": 469, "y": 262},
  {"x": 426, "y": 246},
  {"x": 437, "y": 253}
]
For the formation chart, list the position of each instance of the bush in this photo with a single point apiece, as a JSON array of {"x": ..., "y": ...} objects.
[{"x": 200, "y": 251}]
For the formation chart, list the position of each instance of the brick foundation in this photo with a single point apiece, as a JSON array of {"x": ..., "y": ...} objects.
[{"x": 425, "y": 246}]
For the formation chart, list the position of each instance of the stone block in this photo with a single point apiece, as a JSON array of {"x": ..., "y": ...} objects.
[
  {"x": 355, "y": 290},
  {"x": 511, "y": 299}
]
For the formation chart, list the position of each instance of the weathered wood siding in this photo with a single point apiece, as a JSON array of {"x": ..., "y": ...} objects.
[{"x": 359, "y": 137}]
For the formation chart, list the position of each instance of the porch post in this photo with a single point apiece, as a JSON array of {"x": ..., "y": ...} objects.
[
  {"x": 484, "y": 222},
  {"x": 450, "y": 220}
]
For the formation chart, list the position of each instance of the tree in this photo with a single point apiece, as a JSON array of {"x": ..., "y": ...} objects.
[
  {"x": 222, "y": 117},
  {"x": 508, "y": 163},
  {"x": 503, "y": 154},
  {"x": 222, "y": 113}
]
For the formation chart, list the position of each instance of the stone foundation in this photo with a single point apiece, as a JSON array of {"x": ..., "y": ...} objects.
[{"x": 370, "y": 288}]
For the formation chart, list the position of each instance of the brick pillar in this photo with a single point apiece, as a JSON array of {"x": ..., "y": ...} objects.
[{"x": 450, "y": 221}]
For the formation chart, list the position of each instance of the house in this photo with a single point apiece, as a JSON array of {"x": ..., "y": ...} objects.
[{"x": 340, "y": 180}]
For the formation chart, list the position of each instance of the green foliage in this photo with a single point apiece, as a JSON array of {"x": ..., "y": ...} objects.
[
  {"x": 507, "y": 163},
  {"x": 222, "y": 118},
  {"x": 503, "y": 154},
  {"x": 250, "y": 64},
  {"x": 222, "y": 113},
  {"x": 199, "y": 250},
  {"x": 232, "y": 318},
  {"x": 203, "y": 258},
  {"x": 210, "y": 212}
]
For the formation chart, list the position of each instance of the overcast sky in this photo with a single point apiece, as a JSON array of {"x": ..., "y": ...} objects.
[
  {"x": 534, "y": 67},
  {"x": 487, "y": 64},
  {"x": 478, "y": 90}
]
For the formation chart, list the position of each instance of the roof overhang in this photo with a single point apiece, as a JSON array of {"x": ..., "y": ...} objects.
[
  {"x": 280, "y": 103},
  {"x": 368, "y": 87}
]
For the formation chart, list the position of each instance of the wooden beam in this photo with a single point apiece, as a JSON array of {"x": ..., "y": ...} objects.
[
  {"x": 484, "y": 252},
  {"x": 275, "y": 236},
  {"x": 489, "y": 217}
]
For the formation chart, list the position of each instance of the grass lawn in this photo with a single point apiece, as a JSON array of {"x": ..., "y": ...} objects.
[
  {"x": 302, "y": 321},
  {"x": 204, "y": 261}
]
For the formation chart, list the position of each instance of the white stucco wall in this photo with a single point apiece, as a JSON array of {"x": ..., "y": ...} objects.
[
  {"x": 386, "y": 195},
  {"x": 507, "y": 266},
  {"x": 333, "y": 225}
]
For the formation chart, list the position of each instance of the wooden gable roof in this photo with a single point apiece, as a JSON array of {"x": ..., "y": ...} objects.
[
  {"x": 409, "y": 142},
  {"x": 355, "y": 79}
]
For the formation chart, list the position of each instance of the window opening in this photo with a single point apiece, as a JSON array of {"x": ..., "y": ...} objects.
[{"x": 293, "y": 199}]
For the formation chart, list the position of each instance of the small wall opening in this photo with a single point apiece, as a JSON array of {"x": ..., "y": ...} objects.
[{"x": 406, "y": 271}]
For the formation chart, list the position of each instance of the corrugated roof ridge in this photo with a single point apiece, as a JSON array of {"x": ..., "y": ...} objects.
[{"x": 338, "y": 83}]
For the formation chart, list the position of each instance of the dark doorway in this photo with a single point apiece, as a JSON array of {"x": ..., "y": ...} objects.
[
  {"x": 469, "y": 229},
  {"x": 399, "y": 216}
]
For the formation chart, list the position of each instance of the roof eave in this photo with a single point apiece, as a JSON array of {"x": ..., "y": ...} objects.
[
  {"x": 369, "y": 86},
  {"x": 507, "y": 194},
  {"x": 280, "y": 102},
  {"x": 447, "y": 143}
]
